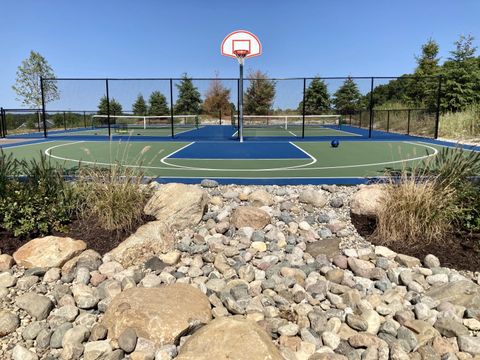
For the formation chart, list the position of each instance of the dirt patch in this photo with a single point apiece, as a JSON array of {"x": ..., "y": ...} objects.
[
  {"x": 95, "y": 237},
  {"x": 461, "y": 251}
]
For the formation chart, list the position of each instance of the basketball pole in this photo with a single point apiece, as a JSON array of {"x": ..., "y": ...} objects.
[{"x": 240, "y": 105}]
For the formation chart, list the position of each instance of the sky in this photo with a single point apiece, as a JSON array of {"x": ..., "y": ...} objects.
[{"x": 154, "y": 38}]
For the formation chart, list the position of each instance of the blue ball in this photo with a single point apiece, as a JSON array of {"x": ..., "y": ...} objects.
[{"x": 335, "y": 143}]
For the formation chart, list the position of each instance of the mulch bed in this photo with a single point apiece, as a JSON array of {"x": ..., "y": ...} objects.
[
  {"x": 461, "y": 252},
  {"x": 95, "y": 237}
]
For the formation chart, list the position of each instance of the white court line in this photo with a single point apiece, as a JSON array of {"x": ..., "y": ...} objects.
[
  {"x": 292, "y": 133},
  {"x": 235, "y": 133},
  {"x": 298, "y": 167}
]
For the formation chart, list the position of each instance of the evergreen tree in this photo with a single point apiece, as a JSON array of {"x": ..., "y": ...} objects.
[
  {"x": 217, "y": 99},
  {"x": 422, "y": 87},
  {"x": 157, "y": 104},
  {"x": 347, "y": 98},
  {"x": 259, "y": 97},
  {"x": 115, "y": 107},
  {"x": 462, "y": 76},
  {"x": 317, "y": 99},
  {"x": 27, "y": 84},
  {"x": 189, "y": 99},
  {"x": 139, "y": 107}
]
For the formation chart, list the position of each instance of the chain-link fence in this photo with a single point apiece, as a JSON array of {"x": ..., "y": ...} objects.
[{"x": 207, "y": 108}]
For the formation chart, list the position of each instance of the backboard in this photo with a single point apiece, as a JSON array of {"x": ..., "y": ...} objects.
[{"x": 241, "y": 42}]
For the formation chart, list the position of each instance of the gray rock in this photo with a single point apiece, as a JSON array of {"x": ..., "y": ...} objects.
[
  {"x": 109, "y": 289},
  {"x": 356, "y": 322},
  {"x": 32, "y": 330},
  {"x": 35, "y": 305},
  {"x": 83, "y": 275},
  {"x": 98, "y": 332},
  {"x": 117, "y": 354},
  {"x": 450, "y": 328},
  {"x": 289, "y": 329},
  {"x": 329, "y": 247},
  {"x": 43, "y": 339},
  {"x": 9, "y": 322},
  {"x": 26, "y": 282},
  {"x": 21, "y": 353},
  {"x": 258, "y": 235},
  {"x": 85, "y": 297},
  {"x": 97, "y": 350},
  {"x": 75, "y": 335},
  {"x": 155, "y": 264},
  {"x": 469, "y": 344},
  {"x": 208, "y": 183},
  {"x": 431, "y": 261},
  {"x": 318, "y": 321},
  {"x": 127, "y": 340},
  {"x": 336, "y": 202},
  {"x": 313, "y": 197},
  {"x": 7, "y": 280},
  {"x": 408, "y": 337},
  {"x": 57, "y": 336},
  {"x": 325, "y": 233}
]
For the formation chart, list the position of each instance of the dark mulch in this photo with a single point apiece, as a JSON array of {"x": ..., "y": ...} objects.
[
  {"x": 95, "y": 237},
  {"x": 461, "y": 251}
]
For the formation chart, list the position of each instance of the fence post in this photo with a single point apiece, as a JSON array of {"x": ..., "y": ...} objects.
[
  {"x": 44, "y": 117},
  {"x": 371, "y": 109},
  {"x": 437, "y": 114},
  {"x": 388, "y": 120},
  {"x": 2, "y": 134},
  {"x": 108, "y": 108},
  {"x": 84, "y": 120},
  {"x": 171, "y": 107},
  {"x": 64, "y": 122},
  {"x": 408, "y": 122},
  {"x": 303, "y": 107}
]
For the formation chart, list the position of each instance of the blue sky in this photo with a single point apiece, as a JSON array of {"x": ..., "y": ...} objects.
[{"x": 148, "y": 38}]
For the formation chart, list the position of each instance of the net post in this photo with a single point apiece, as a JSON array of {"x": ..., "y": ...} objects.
[
  {"x": 238, "y": 108},
  {"x": 144, "y": 122},
  {"x": 42, "y": 91},
  {"x": 371, "y": 109},
  {"x": 437, "y": 113},
  {"x": 171, "y": 107},
  {"x": 303, "y": 107},
  {"x": 108, "y": 108}
]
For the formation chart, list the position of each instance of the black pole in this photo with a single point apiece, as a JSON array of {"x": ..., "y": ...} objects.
[
  {"x": 360, "y": 119},
  {"x": 238, "y": 108},
  {"x": 388, "y": 120},
  {"x": 64, "y": 122},
  {"x": 2, "y": 134},
  {"x": 303, "y": 107},
  {"x": 171, "y": 108},
  {"x": 220, "y": 116},
  {"x": 84, "y": 120},
  {"x": 371, "y": 110},
  {"x": 408, "y": 122},
  {"x": 108, "y": 108},
  {"x": 240, "y": 105},
  {"x": 38, "y": 121},
  {"x": 43, "y": 108},
  {"x": 437, "y": 114}
]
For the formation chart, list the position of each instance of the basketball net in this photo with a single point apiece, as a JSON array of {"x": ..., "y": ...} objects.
[{"x": 240, "y": 55}]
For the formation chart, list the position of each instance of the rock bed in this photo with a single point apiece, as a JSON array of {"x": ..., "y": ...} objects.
[{"x": 282, "y": 266}]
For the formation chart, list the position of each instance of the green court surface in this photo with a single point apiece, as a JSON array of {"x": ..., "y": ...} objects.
[{"x": 352, "y": 159}]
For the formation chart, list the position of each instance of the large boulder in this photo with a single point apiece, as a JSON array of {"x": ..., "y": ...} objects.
[
  {"x": 330, "y": 247},
  {"x": 462, "y": 293},
  {"x": 161, "y": 314},
  {"x": 250, "y": 216},
  {"x": 48, "y": 252},
  {"x": 230, "y": 338},
  {"x": 367, "y": 201},
  {"x": 150, "y": 239},
  {"x": 178, "y": 205}
]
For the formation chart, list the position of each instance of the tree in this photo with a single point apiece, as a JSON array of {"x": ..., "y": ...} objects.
[
  {"x": 157, "y": 104},
  {"x": 317, "y": 99},
  {"x": 464, "y": 48},
  {"x": 427, "y": 62},
  {"x": 259, "y": 97},
  {"x": 139, "y": 107},
  {"x": 462, "y": 76},
  {"x": 347, "y": 98},
  {"x": 217, "y": 99},
  {"x": 189, "y": 99},
  {"x": 27, "y": 84},
  {"x": 115, "y": 107}
]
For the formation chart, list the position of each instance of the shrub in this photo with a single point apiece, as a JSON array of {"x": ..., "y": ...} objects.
[
  {"x": 425, "y": 205},
  {"x": 113, "y": 197},
  {"x": 461, "y": 125},
  {"x": 36, "y": 202}
]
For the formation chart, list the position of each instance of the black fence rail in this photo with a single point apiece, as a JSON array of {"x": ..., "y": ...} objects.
[{"x": 208, "y": 107}]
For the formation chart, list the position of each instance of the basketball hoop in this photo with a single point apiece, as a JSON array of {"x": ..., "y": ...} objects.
[
  {"x": 241, "y": 44},
  {"x": 241, "y": 54}
]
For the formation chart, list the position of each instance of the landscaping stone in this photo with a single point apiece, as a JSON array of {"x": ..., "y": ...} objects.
[
  {"x": 250, "y": 216},
  {"x": 9, "y": 322},
  {"x": 37, "y": 306}
]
